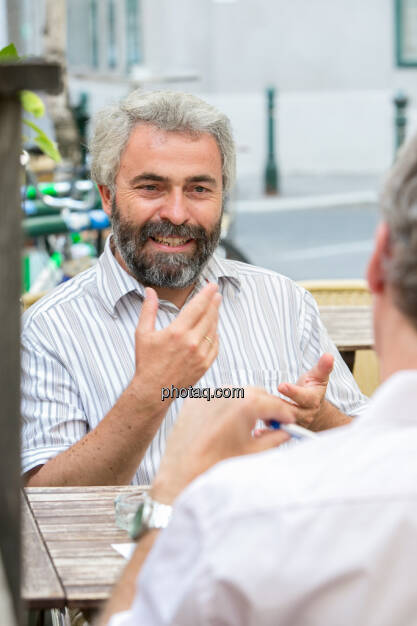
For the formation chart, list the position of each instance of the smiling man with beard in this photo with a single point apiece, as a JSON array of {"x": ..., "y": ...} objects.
[
  {"x": 164, "y": 269},
  {"x": 160, "y": 309}
]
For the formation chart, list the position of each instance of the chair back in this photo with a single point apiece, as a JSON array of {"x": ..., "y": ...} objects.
[{"x": 350, "y": 292}]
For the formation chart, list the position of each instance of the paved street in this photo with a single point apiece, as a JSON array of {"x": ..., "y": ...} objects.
[{"x": 309, "y": 243}]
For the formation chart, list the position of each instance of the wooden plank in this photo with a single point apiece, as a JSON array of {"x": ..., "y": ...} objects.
[
  {"x": 88, "y": 596},
  {"x": 31, "y": 74},
  {"x": 76, "y": 549},
  {"x": 86, "y": 491},
  {"x": 78, "y": 532},
  {"x": 41, "y": 587},
  {"x": 79, "y": 494},
  {"x": 350, "y": 327}
]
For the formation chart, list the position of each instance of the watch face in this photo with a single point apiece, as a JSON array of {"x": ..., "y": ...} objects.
[{"x": 136, "y": 524}]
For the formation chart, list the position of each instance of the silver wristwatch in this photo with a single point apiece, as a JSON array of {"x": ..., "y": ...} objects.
[{"x": 150, "y": 514}]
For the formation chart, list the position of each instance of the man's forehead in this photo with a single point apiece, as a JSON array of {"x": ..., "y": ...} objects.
[
  {"x": 149, "y": 145},
  {"x": 153, "y": 137}
]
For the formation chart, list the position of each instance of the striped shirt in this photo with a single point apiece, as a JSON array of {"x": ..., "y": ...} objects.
[{"x": 78, "y": 350}]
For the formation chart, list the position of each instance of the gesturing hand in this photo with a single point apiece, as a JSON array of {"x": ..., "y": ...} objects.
[
  {"x": 208, "y": 432},
  {"x": 181, "y": 353},
  {"x": 309, "y": 391}
]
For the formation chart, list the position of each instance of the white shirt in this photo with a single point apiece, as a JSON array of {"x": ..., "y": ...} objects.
[
  {"x": 324, "y": 533},
  {"x": 78, "y": 350}
]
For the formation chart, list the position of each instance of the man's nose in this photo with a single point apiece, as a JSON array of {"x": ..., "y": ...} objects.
[{"x": 175, "y": 208}]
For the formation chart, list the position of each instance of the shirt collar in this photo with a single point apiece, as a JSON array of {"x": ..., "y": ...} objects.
[
  {"x": 217, "y": 269},
  {"x": 394, "y": 401},
  {"x": 113, "y": 282}
]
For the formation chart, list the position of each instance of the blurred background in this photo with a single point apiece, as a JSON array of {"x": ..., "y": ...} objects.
[{"x": 320, "y": 95}]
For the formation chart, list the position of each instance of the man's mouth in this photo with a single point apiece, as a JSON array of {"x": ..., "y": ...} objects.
[{"x": 171, "y": 242}]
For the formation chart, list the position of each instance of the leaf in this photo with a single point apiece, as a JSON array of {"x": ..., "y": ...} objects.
[
  {"x": 48, "y": 146},
  {"x": 9, "y": 53},
  {"x": 32, "y": 103}
]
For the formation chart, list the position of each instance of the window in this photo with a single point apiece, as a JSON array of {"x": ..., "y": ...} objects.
[
  {"x": 406, "y": 32},
  {"x": 79, "y": 34},
  {"x": 133, "y": 53},
  {"x": 104, "y": 35}
]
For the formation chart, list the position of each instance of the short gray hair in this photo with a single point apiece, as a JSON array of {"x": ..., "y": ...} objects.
[
  {"x": 399, "y": 208},
  {"x": 167, "y": 110}
]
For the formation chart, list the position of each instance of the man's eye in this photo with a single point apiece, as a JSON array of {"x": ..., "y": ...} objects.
[
  {"x": 200, "y": 189},
  {"x": 148, "y": 187}
]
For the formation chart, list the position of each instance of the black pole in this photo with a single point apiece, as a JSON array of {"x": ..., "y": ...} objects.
[
  {"x": 82, "y": 118},
  {"x": 272, "y": 182},
  {"x": 400, "y": 102}
]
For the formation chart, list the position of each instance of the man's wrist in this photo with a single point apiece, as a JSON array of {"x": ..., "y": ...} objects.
[
  {"x": 151, "y": 515},
  {"x": 164, "y": 491},
  {"x": 329, "y": 416},
  {"x": 146, "y": 397}
]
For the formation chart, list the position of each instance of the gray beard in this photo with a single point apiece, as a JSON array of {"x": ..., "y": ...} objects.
[{"x": 162, "y": 269}]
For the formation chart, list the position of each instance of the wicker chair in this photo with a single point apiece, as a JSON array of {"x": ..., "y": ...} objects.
[
  {"x": 28, "y": 299},
  {"x": 349, "y": 292}
]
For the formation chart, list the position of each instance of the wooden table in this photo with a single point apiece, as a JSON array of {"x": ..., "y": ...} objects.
[
  {"x": 67, "y": 555},
  {"x": 350, "y": 327}
]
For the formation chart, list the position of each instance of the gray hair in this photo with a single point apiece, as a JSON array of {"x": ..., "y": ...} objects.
[
  {"x": 399, "y": 208},
  {"x": 167, "y": 110}
]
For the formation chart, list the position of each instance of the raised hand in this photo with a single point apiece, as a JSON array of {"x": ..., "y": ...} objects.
[
  {"x": 308, "y": 393},
  {"x": 181, "y": 353},
  {"x": 208, "y": 432}
]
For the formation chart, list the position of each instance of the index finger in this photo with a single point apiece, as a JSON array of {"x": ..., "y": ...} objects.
[
  {"x": 305, "y": 397},
  {"x": 197, "y": 307},
  {"x": 265, "y": 407}
]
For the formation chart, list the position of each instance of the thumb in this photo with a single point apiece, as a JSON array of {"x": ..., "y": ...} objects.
[
  {"x": 268, "y": 439},
  {"x": 322, "y": 370},
  {"x": 149, "y": 310}
]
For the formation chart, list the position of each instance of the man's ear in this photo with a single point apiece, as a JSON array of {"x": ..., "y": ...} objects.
[
  {"x": 376, "y": 272},
  {"x": 105, "y": 195}
]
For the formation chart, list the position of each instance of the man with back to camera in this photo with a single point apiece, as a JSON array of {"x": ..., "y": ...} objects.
[
  {"x": 164, "y": 163},
  {"x": 321, "y": 534}
]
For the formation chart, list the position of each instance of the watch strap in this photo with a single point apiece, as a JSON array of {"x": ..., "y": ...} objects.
[{"x": 150, "y": 515}]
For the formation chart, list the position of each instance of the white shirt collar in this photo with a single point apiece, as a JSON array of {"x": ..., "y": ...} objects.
[{"x": 394, "y": 400}]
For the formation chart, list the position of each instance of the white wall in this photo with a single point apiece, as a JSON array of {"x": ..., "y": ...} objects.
[
  {"x": 332, "y": 61},
  {"x": 294, "y": 44},
  {"x": 3, "y": 24},
  {"x": 317, "y": 132}
]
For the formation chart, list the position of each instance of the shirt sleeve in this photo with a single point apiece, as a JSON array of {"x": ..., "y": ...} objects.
[
  {"x": 173, "y": 582},
  {"x": 121, "y": 619},
  {"x": 52, "y": 415},
  {"x": 342, "y": 390}
]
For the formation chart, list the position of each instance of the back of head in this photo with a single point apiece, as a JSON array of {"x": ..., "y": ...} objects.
[
  {"x": 167, "y": 110},
  {"x": 399, "y": 207}
]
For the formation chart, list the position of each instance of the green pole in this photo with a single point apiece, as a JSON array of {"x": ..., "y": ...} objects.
[
  {"x": 400, "y": 102},
  {"x": 272, "y": 182},
  {"x": 44, "y": 225},
  {"x": 26, "y": 273}
]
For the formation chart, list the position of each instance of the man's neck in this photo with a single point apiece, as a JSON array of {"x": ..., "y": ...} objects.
[
  {"x": 176, "y": 296},
  {"x": 397, "y": 340}
]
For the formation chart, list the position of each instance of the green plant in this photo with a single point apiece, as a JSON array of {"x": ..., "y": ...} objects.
[{"x": 33, "y": 105}]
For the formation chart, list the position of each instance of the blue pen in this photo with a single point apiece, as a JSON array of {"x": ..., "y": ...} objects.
[{"x": 296, "y": 431}]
